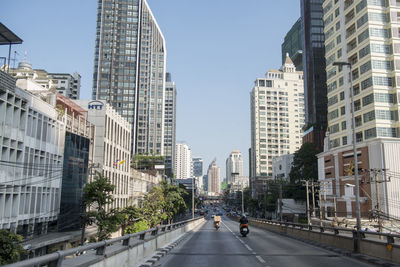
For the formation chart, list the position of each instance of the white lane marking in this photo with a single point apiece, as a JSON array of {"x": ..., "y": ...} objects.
[
  {"x": 249, "y": 248},
  {"x": 260, "y": 259}
]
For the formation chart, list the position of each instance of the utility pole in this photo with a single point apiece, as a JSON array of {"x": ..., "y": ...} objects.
[
  {"x": 320, "y": 206},
  {"x": 334, "y": 206},
  {"x": 313, "y": 198},
  {"x": 280, "y": 201},
  {"x": 378, "y": 201},
  {"x": 242, "y": 201},
  {"x": 326, "y": 207},
  {"x": 308, "y": 201},
  {"x": 193, "y": 198}
]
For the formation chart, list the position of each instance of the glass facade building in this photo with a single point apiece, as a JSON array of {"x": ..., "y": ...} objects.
[
  {"x": 129, "y": 69},
  {"x": 169, "y": 125},
  {"x": 293, "y": 45},
  {"x": 74, "y": 177},
  {"x": 314, "y": 69}
]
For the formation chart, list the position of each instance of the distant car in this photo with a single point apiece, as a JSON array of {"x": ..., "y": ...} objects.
[
  {"x": 212, "y": 216},
  {"x": 220, "y": 214},
  {"x": 202, "y": 212}
]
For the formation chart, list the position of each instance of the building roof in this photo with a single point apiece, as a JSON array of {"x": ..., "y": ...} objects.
[
  {"x": 288, "y": 60},
  {"x": 7, "y": 37}
]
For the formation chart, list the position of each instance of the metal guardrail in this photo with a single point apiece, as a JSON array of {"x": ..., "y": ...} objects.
[
  {"x": 55, "y": 259},
  {"x": 390, "y": 238}
]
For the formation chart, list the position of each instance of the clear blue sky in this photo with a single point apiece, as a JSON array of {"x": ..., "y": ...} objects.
[{"x": 215, "y": 50}]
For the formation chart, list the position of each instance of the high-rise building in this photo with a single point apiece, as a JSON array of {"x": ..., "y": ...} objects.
[
  {"x": 277, "y": 118},
  {"x": 169, "y": 124},
  {"x": 214, "y": 181},
  {"x": 129, "y": 69},
  {"x": 112, "y": 148},
  {"x": 197, "y": 167},
  {"x": 292, "y": 45},
  {"x": 234, "y": 166},
  {"x": 315, "y": 99},
  {"x": 66, "y": 84},
  {"x": 364, "y": 34},
  {"x": 183, "y": 161}
]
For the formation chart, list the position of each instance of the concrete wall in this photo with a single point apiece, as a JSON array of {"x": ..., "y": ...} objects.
[
  {"x": 368, "y": 246},
  {"x": 124, "y": 256}
]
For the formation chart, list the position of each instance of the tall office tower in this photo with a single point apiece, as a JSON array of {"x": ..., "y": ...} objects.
[
  {"x": 234, "y": 165},
  {"x": 66, "y": 84},
  {"x": 293, "y": 45},
  {"x": 169, "y": 124},
  {"x": 277, "y": 118},
  {"x": 183, "y": 162},
  {"x": 129, "y": 69},
  {"x": 197, "y": 167},
  {"x": 364, "y": 34},
  {"x": 314, "y": 72},
  {"x": 214, "y": 182}
]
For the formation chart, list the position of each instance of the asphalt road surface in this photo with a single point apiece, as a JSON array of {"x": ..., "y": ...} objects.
[{"x": 227, "y": 248}]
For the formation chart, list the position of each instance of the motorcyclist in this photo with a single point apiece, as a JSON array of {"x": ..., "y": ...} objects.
[
  {"x": 243, "y": 220},
  {"x": 217, "y": 220}
]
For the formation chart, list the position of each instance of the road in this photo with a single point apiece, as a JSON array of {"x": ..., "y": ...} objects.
[{"x": 225, "y": 247}]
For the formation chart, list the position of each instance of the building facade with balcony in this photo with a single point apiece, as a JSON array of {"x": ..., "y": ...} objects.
[
  {"x": 277, "y": 118},
  {"x": 170, "y": 125},
  {"x": 364, "y": 34}
]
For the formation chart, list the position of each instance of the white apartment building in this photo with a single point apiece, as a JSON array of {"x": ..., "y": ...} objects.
[
  {"x": 277, "y": 118},
  {"x": 364, "y": 33},
  {"x": 234, "y": 166},
  {"x": 112, "y": 148},
  {"x": 183, "y": 161},
  {"x": 66, "y": 84},
  {"x": 214, "y": 181},
  {"x": 32, "y": 148}
]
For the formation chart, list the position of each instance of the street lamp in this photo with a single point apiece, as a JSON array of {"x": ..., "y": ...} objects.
[{"x": 353, "y": 127}]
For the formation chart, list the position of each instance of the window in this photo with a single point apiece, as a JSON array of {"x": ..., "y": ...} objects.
[
  {"x": 366, "y": 83},
  {"x": 386, "y": 132},
  {"x": 361, "y": 21},
  {"x": 370, "y": 133},
  {"x": 383, "y": 81},
  {"x": 331, "y": 86},
  {"x": 358, "y": 120},
  {"x": 359, "y": 137},
  {"x": 365, "y": 67},
  {"x": 343, "y": 125},
  {"x": 344, "y": 140},
  {"x": 375, "y": 32},
  {"x": 366, "y": 100},
  {"x": 369, "y": 116},
  {"x": 364, "y": 51},
  {"x": 385, "y": 98},
  {"x": 385, "y": 114},
  {"x": 333, "y": 114},
  {"x": 342, "y": 110},
  {"x": 381, "y": 48},
  {"x": 357, "y": 105},
  {"x": 382, "y": 64},
  {"x": 380, "y": 17},
  {"x": 341, "y": 96},
  {"x": 332, "y": 100},
  {"x": 334, "y": 128},
  {"x": 361, "y": 5},
  {"x": 362, "y": 36}
]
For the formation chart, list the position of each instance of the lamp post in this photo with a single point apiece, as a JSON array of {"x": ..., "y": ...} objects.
[{"x": 353, "y": 127}]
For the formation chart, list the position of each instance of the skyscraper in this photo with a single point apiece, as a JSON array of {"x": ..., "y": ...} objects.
[
  {"x": 129, "y": 69},
  {"x": 234, "y": 165},
  {"x": 214, "y": 182},
  {"x": 183, "y": 162},
  {"x": 169, "y": 124},
  {"x": 364, "y": 34},
  {"x": 277, "y": 118},
  {"x": 314, "y": 71},
  {"x": 293, "y": 45},
  {"x": 197, "y": 167}
]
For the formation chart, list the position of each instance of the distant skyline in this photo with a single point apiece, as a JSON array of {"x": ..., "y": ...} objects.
[{"x": 215, "y": 51}]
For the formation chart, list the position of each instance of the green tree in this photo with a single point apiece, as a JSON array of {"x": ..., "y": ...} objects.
[
  {"x": 174, "y": 200},
  {"x": 97, "y": 195},
  {"x": 10, "y": 249},
  {"x": 304, "y": 167},
  {"x": 153, "y": 207}
]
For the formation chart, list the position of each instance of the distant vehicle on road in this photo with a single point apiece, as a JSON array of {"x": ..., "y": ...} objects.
[
  {"x": 220, "y": 214},
  {"x": 212, "y": 216}
]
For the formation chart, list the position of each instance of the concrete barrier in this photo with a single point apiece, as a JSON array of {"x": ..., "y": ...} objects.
[
  {"x": 123, "y": 251},
  {"x": 368, "y": 246}
]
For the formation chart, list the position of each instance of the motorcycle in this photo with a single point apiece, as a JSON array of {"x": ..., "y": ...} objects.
[
  {"x": 216, "y": 225},
  {"x": 244, "y": 229}
]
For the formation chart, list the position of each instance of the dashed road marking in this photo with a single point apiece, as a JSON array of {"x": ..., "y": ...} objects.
[
  {"x": 249, "y": 248},
  {"x": 260, "y": 259}
]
